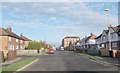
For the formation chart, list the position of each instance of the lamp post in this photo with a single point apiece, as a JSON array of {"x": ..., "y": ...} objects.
[{"x": 109, "y": 37}]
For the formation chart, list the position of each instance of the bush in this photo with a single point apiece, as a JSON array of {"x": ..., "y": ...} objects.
[{"x": 34, "y": 45}]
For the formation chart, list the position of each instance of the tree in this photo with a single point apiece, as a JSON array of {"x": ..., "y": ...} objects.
[
  {"x": 34, "y": 45},
  {"x": 70, "y": 45}
]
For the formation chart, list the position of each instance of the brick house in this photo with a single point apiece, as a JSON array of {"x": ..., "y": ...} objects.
[
  {"x": 9, "y": 40},
  {"x": 66, "y": 41},
  {"x": 24, "y": 42}
]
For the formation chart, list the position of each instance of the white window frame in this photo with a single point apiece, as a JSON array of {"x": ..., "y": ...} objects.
[
  {"x": 10, "y": 38},
  {"x": 16, "y": 40}
]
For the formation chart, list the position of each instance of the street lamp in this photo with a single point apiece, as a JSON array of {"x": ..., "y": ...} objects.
[{"x": 109, "y": 37}]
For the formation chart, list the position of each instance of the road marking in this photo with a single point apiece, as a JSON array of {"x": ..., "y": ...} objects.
[
  {"x": 26, "y": 66},
  {"x": 101, "y": 62}
]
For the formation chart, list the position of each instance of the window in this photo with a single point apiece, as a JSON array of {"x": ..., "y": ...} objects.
[
  {"x": 112, "y": 35},
  {"x": 65, "y": 42},
  {"x": 103, "y": 38},
  {"x": 74, "y": 39},
  {"x": 17, "y": 47},
  {"x": 16, "y": 40},
  {"x": 114, "y": 44},
  {"x": 9, "y": 38}
]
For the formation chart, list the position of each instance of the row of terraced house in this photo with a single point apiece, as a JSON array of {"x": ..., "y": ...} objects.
[
  {"x": 10, "y": 41},
  {"x": 108, "y": 39}
]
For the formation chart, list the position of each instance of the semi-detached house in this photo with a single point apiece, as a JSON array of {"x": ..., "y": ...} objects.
[
  {"x": 107, "y": 38},
  {"x": 9, "y": 40}
]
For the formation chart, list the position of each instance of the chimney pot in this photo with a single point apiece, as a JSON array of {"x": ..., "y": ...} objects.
[
  {"x": 21, "y": 34},
  {"x": 9, "y": 28}
]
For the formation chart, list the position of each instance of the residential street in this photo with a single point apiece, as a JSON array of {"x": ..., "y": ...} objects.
[{"x": 68, "y": 61}]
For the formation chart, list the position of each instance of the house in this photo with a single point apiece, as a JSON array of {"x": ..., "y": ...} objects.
[
  {"x": 90, "y": 41},
  {"x": 66, "y": 41},
  {"x": 113, "y": 36},
  {"x": 118, "y": 32},
  {"x": 108, "y": 39},
  {"x": 24, "y": 42},
  {"x": 98, "y": 41},
  {"x": 102, "y": 39},
  {"x": 9, "y": 40},
  {"x": 82, "y": 43}
]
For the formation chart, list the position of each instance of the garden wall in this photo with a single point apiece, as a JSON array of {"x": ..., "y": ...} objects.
[
  {"x": 94, "y": 52},
  {"x": 27, "y": 52}
]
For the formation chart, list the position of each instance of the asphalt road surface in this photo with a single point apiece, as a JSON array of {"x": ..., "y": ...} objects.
[{"x": 68, "y": 61}]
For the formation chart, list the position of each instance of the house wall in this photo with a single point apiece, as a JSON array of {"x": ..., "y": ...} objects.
[
  {"x": 22, "y": 44},
  {"x": 8, "y": 43},
  {"x": 4, "y": 44},
  {"x": 26, "y": 43},
  {"x": 66, "y": 41}
]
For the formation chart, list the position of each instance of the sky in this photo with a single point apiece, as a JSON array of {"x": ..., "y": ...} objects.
[{"x": 55, "y": 20}]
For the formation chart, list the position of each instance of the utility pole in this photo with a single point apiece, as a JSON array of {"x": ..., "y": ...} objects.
[{"x": 109, "y": 36}]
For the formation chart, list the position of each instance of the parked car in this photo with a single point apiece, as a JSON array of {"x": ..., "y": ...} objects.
[
  {"x": 51, "y": 51},
  {"x": 61, "y": 48}
]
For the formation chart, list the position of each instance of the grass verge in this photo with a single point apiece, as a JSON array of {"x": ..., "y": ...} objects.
[
  {"x": 13, "y": 67},
  {"x": 90, "y": 56}
]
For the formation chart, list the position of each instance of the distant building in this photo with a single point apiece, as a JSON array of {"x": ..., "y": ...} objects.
[
  {"x": 90, "y": 41},
  {"x": 82, "y": 43},
  {"x": 66, "y": 41}
]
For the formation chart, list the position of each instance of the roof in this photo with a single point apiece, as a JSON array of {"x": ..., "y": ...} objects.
[
  {"x": 5, "y": 32},
  {"x": 106, "y": 31},
  {"x": 98, "y": 36},
  {"x": 92, "y": 36},
  {"x": 25, "y": 38},
  {"x": 71, "y": 37}
]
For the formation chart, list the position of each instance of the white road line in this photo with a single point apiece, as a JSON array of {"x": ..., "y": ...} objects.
[
  {"x": 101, "y": 62},
  {"x": 26, "y": 66}
]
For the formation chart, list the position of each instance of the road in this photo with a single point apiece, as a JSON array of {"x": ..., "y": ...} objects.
[{"x": 68, "y": 61}]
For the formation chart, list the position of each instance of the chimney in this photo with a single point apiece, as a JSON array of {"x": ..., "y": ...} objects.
[
  {"x": 9, "y": 28},
  {"x": 21, "y": 35},
  {"x": 91, "y": 34}
]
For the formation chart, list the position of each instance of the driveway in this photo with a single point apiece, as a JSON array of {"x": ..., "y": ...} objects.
[{"x": 68, "y": 61}]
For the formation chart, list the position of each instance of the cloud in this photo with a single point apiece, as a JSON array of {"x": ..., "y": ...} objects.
[
  {"x": 79, "y": 15},
  {"x": 60, "y": 1},
  {"x": 52, "y": 19}
]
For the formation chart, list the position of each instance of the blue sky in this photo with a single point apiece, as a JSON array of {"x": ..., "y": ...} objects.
[{"x": 55, "y": 20}]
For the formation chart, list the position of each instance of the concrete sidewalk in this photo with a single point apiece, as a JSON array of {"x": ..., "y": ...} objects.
[{"x": 6, "y": 63}]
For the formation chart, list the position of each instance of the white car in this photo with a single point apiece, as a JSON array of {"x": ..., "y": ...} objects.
[{"x": 61, "y": 48}]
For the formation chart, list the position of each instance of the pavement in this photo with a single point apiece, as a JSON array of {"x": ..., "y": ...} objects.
[
  {"x": 68, "y": 61},
  {"x": 6, "y": 63}
]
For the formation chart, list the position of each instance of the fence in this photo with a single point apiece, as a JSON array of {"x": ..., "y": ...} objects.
[
  {"x": 1, "y": 56},
  {"x": 104, "y": 52},
  {"x": 11, "y": 55}
]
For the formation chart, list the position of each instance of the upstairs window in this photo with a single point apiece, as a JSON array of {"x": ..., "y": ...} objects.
[
  {"x": 9, "y": 38},
  {"x": 16, "y": 40}
]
